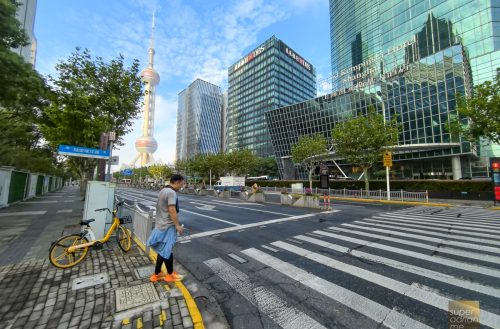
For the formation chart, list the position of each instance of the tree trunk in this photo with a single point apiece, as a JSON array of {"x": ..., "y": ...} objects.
[{"x": 367, "y": 183}]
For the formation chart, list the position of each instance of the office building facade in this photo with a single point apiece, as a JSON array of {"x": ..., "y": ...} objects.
[
  {"x": 408, "y": 60},
  {"x": 25, "y": 14},
  {"x": 198, "y": 120},
  {"x": 272, "y": 75}
]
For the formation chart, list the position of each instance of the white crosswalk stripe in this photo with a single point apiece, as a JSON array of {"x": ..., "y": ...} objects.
[
  {"x": 418, "y": 252},
  {"x": 286, "y": 316}
]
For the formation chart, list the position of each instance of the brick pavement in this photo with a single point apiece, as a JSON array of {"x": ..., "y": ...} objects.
[{"x": 34, "y": 294}]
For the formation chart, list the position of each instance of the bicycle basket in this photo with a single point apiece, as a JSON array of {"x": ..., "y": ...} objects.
[{"x": 126, "y": 219}]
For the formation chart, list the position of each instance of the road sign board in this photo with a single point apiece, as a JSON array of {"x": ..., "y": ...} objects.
[
  {"x": 387, "y": 159},
  {"x": 85, "y": 152},
  {"x": 115, "y": 160},
  {"x": 126, "y": 172}
]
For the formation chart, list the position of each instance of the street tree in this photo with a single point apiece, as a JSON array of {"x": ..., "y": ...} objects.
[
  {"x": 160, "y": 171},
  {"x": 241, "y": 162},
  {"x": 479, "y": 114},
  {"x": 265, "y": 166},
  {"x": 307, "y": 152},
  {"x": 23, "y": 96},
  {"x": 91, "y": 97},
  {"x": 362, "y": 140}
]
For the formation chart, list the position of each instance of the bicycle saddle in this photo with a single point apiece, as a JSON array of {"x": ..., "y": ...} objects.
[{"x": 87, "y": 222}]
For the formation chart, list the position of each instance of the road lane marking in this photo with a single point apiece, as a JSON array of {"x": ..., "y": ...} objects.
[
  {"x": 266, "y": 302},
  {"x": 434, "y": 275},
  {"x": 439, "y": 225},
  {"x": 379, "y": 313},
  {"x": 23, "y": 213},
  {"x": 487, "y": 217},
  {"x": 251, "y": 209},
  {"x": 269, "y": 248},
  {"x": 244, "y": 226},
  {"x": 455, "y": 222},
  {"x": 427, "y": 232},
  {"x": 434, "y": 259},
  {"x": 414, "y": 291},
  {"x": 449, "y": 230},
  {"x": 64, "y": 211},
  {"x": 217, "y": 219},
  {"x": 421, "y": 237},
  {"x": 237, "y": 258},
  {"x": 457, "y": 252},
  {"x": 34, "y": 202}
]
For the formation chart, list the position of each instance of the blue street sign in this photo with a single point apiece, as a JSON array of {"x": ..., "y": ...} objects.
[
  {"x": 79, "y": 151},
  {"x": 126, "y": 172}
]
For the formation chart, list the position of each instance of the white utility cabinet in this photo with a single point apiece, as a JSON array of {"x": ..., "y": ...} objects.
[{"x": 99, "y": 195}]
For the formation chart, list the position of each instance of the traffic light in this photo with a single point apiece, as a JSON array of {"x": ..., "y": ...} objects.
[{"x": 495, "y": 175}]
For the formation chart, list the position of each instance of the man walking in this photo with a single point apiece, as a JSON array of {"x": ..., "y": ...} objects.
[{"x": 164, "y": 235}]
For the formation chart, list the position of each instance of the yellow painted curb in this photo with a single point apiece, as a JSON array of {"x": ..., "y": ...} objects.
[
  {"x": 190, "y": 303},
  {"x": 495, "y": 208},
  {"x": 412, "y": 203}
]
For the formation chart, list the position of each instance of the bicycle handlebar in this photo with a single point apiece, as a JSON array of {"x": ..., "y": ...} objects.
[{"x": 119, "y": 204}]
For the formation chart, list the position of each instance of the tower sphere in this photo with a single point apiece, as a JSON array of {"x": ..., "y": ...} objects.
[
  {"x": 146, "y": 144},
  {"x": 150, "y": 75}
]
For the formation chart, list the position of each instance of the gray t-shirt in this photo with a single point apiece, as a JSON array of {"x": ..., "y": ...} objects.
[{"x": 166, "y": 197}]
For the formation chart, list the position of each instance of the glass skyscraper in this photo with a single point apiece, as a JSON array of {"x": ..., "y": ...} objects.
[
  {"x": 26, "y": 16},
  {"x": 407, "y": 59},
  {"x": 271, "y": 76},
  {"x": 199, "y": 109}
]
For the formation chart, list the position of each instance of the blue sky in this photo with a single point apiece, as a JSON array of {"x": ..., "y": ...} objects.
[{"x": 193, "y": 39}]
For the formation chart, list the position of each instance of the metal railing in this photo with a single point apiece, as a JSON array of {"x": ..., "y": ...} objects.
[
  {"x": 142, "y": 221},
  {"x": 397, "y": 195}
]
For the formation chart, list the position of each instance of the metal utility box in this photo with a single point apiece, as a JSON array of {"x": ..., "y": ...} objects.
[{"x": 99, "y": 195}]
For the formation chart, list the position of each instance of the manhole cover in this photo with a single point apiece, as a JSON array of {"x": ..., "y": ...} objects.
[
  {"x": 89, "y": 281},
  {"x": 133, "y": 296},
  {"x": 144, "y": 272}
]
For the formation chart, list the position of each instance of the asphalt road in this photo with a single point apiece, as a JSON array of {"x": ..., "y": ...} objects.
[{"x": 357, "y": 266}]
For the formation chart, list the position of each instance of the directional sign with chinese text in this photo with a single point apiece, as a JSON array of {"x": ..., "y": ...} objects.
[{"x": 85, "y": 152}]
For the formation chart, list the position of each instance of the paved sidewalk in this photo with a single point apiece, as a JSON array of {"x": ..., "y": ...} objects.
[{"x": 109, "y": 289}]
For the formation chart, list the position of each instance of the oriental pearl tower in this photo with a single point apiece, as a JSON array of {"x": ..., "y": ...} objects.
[{"x": 146, "y": 145}]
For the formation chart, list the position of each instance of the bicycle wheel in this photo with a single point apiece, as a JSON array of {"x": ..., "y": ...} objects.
[
  {"x": 59, "y": 255},
  {"x": 123, "y": 238}
]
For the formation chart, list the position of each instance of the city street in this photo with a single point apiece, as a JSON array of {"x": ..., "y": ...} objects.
[{"x": 355, "y": 266}]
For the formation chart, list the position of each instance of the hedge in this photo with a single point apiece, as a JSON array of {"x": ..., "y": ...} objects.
[{"x": 407, "y": 185}]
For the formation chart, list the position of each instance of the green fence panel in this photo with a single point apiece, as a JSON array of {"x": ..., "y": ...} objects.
[
  {"x": 39, "y": 185},
  {"x": 17, "y": 186}
]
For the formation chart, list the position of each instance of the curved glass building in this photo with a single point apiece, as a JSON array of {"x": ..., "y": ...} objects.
[{"x": 407, "y": 59}]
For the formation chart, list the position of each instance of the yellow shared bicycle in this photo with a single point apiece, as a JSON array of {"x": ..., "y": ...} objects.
[{"x": 70, "y": 250}]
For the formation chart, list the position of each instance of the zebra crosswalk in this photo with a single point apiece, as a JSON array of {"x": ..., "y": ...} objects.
[{"x": 399, "y": 269}]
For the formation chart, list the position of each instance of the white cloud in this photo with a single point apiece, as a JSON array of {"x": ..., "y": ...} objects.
[{"x": 190, "y": 43}]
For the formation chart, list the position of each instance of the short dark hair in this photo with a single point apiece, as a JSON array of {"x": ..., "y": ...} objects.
[{"x": 176, "y": 178}]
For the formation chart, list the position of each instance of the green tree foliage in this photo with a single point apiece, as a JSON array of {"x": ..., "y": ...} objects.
[
  {"x": 361, "y": 141},
  {"x": 241, "y": 162},
  {"x": 160, "y": 171},
  {"x": 91, "y": 97},
  {"x": 265, "y": 166},
  {"x": 307, "y": 152},
  {"x": 237, "y": 163},
  {"x": 23, "y": 96},
  {"x": 479, "y": 115}
]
